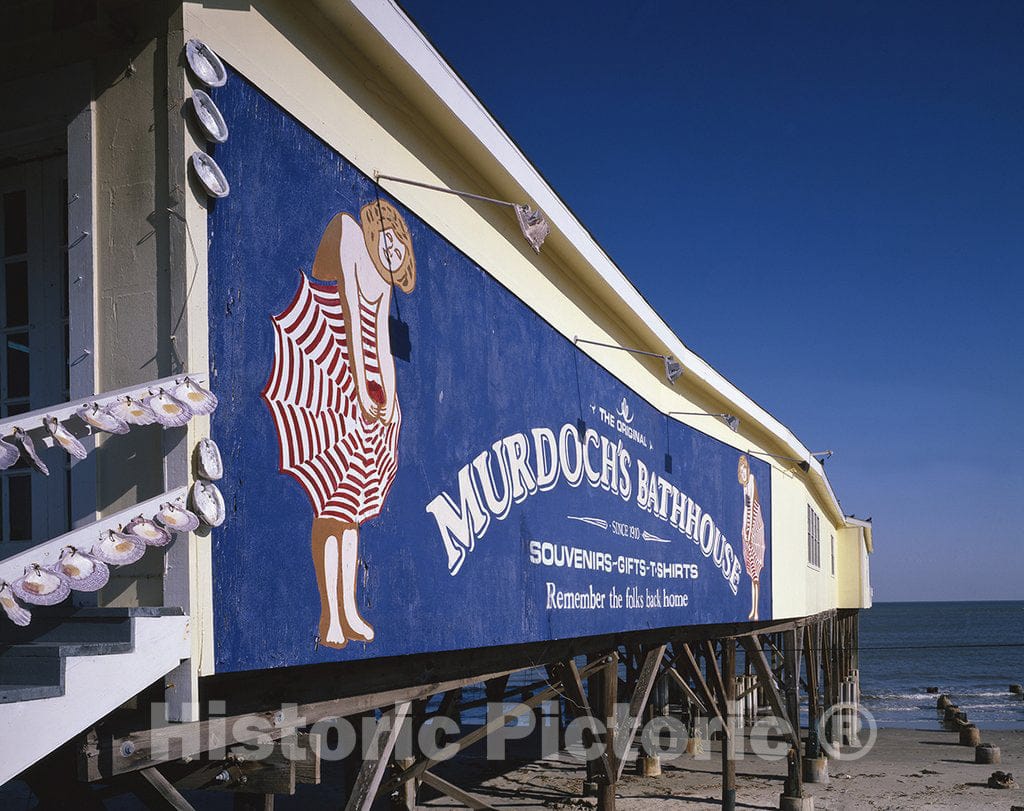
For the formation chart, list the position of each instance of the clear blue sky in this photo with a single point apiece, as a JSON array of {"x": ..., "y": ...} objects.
[{"x": 843, "y": 186}]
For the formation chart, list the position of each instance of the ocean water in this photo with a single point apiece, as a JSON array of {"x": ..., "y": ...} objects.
[{"x": 972, "y": 650}]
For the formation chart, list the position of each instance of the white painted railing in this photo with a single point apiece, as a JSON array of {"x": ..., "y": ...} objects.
[
  {"x": 32, "y": 421},
  {"x": 48, "y": 552}
]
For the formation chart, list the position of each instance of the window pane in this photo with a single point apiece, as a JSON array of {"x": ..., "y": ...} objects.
[
  {"x": 20, "y": 495},
  {"x": 15, "y": 223},
  {"x": 16, "y": 289},
  {"x": 17, "y": 365}
]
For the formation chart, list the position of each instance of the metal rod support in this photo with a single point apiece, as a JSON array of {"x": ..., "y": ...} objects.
[{"x": 456, "y": 192}]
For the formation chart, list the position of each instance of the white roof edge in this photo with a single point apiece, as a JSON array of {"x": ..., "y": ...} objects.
[{"x": 391, "y": 22}]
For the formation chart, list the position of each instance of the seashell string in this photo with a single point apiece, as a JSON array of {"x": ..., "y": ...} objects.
[
  {"x": 41, "y": 586},
  {"x": 132, "y": 411},
  {"x": 103, "y": 419},
  {"x": 8, "y": 454},
  {"x": 63, "y": 437},
  {"x": 80, "y": 570},
  {"x": 169, "y": 410},
  {"x": 148, "y": 531},
  {"x": 83, "y": 571},
  {"x": 198, "y": 399},
  {"x": 28, "y": 450},
  {"x": 16, "y": 613}
]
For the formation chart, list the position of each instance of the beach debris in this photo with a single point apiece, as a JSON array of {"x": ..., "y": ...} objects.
[
  {"x": 970, "y": 735},
  {"x": 1002, "y": 780},
  {"x": 987, "y": 753}
]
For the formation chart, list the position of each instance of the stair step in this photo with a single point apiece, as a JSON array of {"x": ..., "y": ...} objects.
[
  {"x": 65, "y": 624},
  {"x": 11, "y": 694}
]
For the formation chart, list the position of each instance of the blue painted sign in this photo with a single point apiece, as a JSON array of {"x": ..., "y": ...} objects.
[{"x": 415, "y": 460}]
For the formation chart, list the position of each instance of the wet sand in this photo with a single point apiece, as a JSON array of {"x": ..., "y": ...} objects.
[{"x": 905, "y": 769}]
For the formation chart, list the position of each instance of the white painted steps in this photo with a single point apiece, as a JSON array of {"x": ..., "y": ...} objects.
[{"x": 69, "y": 671}]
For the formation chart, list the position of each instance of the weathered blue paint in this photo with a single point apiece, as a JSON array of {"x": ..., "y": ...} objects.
[{"x": 483, "y": 366}]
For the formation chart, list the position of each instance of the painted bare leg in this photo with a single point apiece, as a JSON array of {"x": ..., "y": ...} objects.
[
  {"x": 355, "y": 626},
  {"x": 335, "y": 636},
  {"x": 753, "y": 601}
]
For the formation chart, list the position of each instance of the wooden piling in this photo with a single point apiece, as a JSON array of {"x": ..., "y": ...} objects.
[{"x": 729, "y": 738}]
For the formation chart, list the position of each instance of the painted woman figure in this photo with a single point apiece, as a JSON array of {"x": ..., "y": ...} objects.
[
  {"x": 333, "y": 399},
  {"x": 753, "y": 532}
]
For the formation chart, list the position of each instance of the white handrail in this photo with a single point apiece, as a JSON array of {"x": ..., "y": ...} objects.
[
  {"x": 48, "y": 552},
  {"x": 32, "y": 421}
]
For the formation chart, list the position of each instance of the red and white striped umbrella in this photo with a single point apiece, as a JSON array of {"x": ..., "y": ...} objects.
[{"x": 345, "y": 462}]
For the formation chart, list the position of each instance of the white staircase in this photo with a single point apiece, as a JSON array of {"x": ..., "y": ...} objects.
[{"x": 63, "y": 673}]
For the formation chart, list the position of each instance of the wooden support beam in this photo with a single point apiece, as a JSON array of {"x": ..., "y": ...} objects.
[
  {"x": 811, "y": 646},
  {"x": 795, "y": 782},
  {"x": 713, "y": 672},
  {"x": 494, "y": 724},
  {"x": 569, "y": 676},
  {"x": 378, "y": 753},
  {"x": 752, "y": 646},
  {"x": 103, "y": 757},
  {"x": 686, "y": 688},
  {"x": 626, "y": 729},
  {"x": 608, "y": 696},
  {"x": 160, "y": 793},
  {"x": 456, "y": 793},
  {"x": 690, "y": 663},
  {"x": 729, "y": 741}
]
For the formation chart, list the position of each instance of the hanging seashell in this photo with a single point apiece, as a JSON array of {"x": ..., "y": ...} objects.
[
  {"x": 8, "y": 454},
  {"x": 102, "y": 419},
  {"x": 85, "y": 572},
  {"x": 208, "y": 503},
  {"x": 170, "y": 412},
  {"x": 117, "y": 548},
  {"x": 28, "y": 450},
  {"x": 176, "y": 518},
  {"x": 16, "y": 613},
  {"x": 208, "y": 460},
  {"x": 41, "y": 586},
  {"x": 148, "y": 530},
  {"x": 65, "y": 438},
  {"x": 132, "y": 411},
  {"x": 200, "y": 400}
]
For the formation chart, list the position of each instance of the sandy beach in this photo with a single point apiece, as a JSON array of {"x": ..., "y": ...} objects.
[{"x": 906, "y": 769}]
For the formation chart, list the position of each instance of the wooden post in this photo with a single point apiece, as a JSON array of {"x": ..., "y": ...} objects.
[
  {"x": 810, "y": 641},
  {"x": 729, "y": 740},
  {"x": 791, "y": 654},
  {"x": 609, "y": 694}
]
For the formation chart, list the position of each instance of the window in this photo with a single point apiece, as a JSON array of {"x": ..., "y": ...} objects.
[
  {"x": 813, "y": 537},
  {"x": 832, "y": 544},
  {"x": 33, "y": 329}
]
